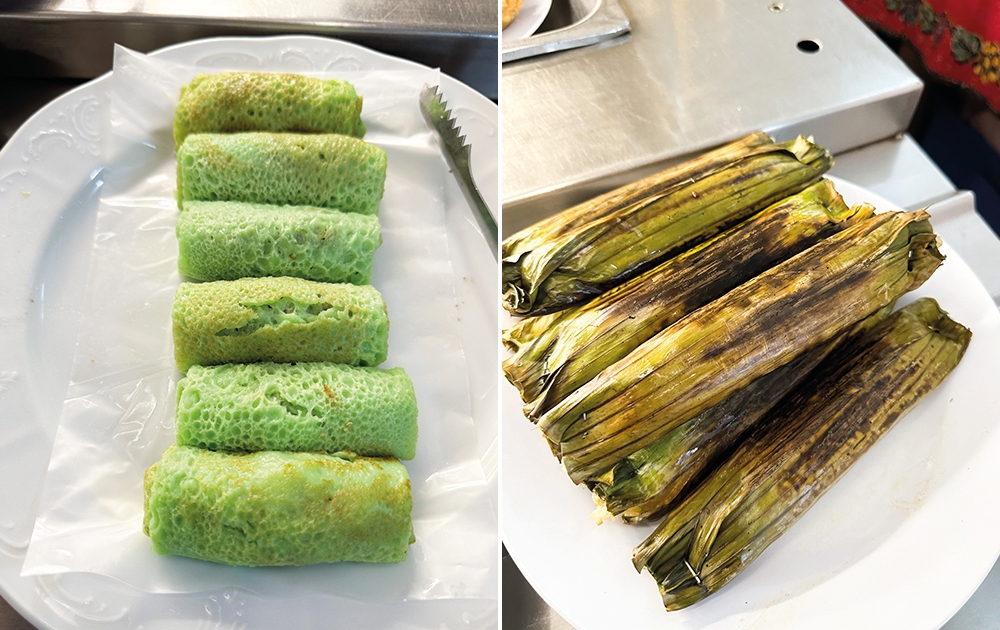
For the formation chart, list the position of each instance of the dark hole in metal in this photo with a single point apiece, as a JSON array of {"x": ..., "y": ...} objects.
[{"x": 808, "y": 46}]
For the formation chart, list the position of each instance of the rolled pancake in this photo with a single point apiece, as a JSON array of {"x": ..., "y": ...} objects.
[
  {"x": 282, "y": 320},
  {"x": 325, "y": 170},
  {"x": 273, "y": 508},
  {"x": 298, "y": 407},
  {"x": 229, "y": 102},
  {"x": 225, "y": 240}
]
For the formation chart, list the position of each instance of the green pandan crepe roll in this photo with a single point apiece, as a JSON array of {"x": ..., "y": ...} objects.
[
  {"x": 298, "y": 407},
  {"x": 282, "y": 320},
  {"x": 225, "y": 240},
  {"x": 273, "y": 508},
  {"x": 267, "y": 101},
  {"x": 325, "y": 170}
]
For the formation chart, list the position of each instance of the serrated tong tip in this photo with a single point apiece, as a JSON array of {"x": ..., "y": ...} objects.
[{"x": 439, "y": 117}]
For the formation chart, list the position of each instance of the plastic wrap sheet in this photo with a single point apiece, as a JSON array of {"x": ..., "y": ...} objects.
[{"x": 118, "y": 416}]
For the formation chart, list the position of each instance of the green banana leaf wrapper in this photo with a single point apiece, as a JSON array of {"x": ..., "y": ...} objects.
[
  {"x": 557, "y": 353},
  {"x": 590, "y": 248},
  {"x": 603, "y": 205},
  {"x": 751, "y": 331},
  {"x": 648, "y": 483},
  {"x": 806, "y": 445}
]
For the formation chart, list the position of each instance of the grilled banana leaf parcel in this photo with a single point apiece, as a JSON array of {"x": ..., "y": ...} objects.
[
  {"x": 751, "y": 331},
  {"x": 610, "y": 202},
  {"x": 801, "y": 450},
  {"x": 647, "y": 483},
  {"x": 614, "y": 237},
  {"x": 556, "y": 357}
]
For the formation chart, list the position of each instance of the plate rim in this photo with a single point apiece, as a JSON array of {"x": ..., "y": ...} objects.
[{"x": 527, "y": 29}]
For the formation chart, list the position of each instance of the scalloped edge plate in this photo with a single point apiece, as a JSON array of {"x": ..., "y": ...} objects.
[{"x": 58, "y": 152}]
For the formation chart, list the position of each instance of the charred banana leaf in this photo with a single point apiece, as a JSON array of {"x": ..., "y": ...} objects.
[
  {"x": 613, "y": 201},
  {"x": 751, "y": 331},
  {"x": 592, "y": 247},
  {"x": 564, "y": 350},
  {"x": 646, "y": 484},
  {"x": 801, "y": 450}
]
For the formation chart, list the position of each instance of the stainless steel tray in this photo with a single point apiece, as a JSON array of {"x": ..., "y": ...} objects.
[
  {"x": 74, "y": 38},
  {"x": 590, "y": 22},
  {"x": 691, "y": 75}
]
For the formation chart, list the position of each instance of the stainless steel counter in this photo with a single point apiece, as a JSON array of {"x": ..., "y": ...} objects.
[
  {"x": 73, "y": 38},
  {"x": 689, "y": 76}
]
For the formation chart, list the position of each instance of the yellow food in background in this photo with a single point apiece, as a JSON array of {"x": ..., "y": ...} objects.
[{"x": 510, "y": 10}]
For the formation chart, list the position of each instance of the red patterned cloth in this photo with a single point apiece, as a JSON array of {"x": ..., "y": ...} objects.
[{"x": 957, "y": 38}]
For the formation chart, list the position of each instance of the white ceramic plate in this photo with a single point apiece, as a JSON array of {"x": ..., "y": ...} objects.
[
  {"x": 902, "y": 541},
  {"x": 528, "y": 19},
  {"x": 49, "y": 185}
]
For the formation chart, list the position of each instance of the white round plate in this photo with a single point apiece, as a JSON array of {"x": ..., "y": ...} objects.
[
  {"x": 902, "y": 541},
  {"x": 528, "y": 19},
  {"x": 49, "y": 188}
]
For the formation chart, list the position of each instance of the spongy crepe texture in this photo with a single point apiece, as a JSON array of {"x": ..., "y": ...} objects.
[
  {"x": 272, "y": 508},
  {"x": 298, "y": 407},
  {"x": 225, "y": 240},
  {"x": 267, "y": 101},
  {"x": 326, "y": 170},
  {"x": 281, "y": 320}
]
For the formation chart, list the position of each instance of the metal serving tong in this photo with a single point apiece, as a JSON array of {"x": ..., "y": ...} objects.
[{"x": 437, "y": 114}]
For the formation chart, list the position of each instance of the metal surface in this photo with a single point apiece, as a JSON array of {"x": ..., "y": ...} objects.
[
  {"x": 692, "y": 74},
  {"x": 595, "y": 21},
  {"x": 523, "y": 609},
  {"x": 982, "y": 611},
  {"x": 457, "y": 153},
  {"x": 74, "y": 38}
]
